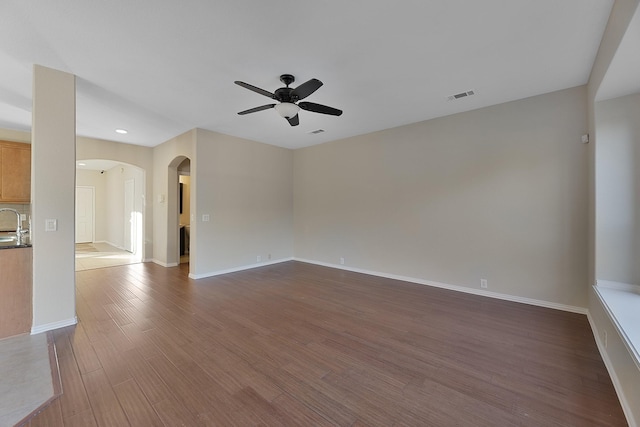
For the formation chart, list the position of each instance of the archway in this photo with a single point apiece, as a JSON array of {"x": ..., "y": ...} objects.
[
  {"x": 184, "y": 210},
  {"x": 113, "y": 230},
  {"x": 179, "y": 212}
]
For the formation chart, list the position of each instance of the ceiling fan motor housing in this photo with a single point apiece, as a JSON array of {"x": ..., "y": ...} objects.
[{"x": 284, "y": 94}]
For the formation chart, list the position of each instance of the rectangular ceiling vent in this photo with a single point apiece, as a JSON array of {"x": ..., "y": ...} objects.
[
  {"x": 314, "y": 132},
  {"x": 461, "y": 95}
]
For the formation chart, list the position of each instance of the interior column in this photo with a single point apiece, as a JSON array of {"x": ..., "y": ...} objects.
[{"x": 53, "y": 169}]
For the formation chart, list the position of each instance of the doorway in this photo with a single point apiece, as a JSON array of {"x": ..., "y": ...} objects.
[
  {"x": 110, "y": 222},
  {"x": 184, "y": 211},
  {"x": 130, "y": 221},
  {"x": 85, "y": 220}
]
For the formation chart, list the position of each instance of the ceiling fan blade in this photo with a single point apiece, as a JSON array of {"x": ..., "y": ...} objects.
[
  {"x": 319, "y": 108},
  {"x": 306, "y": 88},
  {"x": 253, "y": 110},
  {"x": 255, "y": 89},
  {"x": 294, "y": 121}
]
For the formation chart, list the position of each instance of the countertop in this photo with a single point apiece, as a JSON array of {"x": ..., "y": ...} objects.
[{"x": 13, "y": 244}]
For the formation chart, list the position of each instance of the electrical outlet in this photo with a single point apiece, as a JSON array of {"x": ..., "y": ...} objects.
[
  {"x": 269, "y": 256},
  {"x": 341, "y": 261},
  {"x": 483, "y": 283},
  {"x": 205, "y": 217},
  {"x": 258, "y": 258},
  {"x": 605, "y": 339}
]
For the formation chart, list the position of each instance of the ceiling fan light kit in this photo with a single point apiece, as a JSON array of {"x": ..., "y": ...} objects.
[
  {"x": 287, "y": 98},
  {"x": 287, "y": 109}
]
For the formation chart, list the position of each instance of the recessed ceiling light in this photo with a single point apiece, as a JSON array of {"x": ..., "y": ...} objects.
[{"x": 122, "y": 131}]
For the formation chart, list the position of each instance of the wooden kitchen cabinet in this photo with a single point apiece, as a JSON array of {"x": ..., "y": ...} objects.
[
  {"x": 15, "y": 291},
  {"x": 15, "y": 172}
]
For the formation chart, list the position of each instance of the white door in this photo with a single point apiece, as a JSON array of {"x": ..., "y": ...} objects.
[
  {"x": 85, "y": 202},
  {"x": 130, "y": 223}
]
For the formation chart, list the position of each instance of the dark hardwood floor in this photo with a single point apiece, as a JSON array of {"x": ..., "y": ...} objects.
[{"x": 303, "y": 345}]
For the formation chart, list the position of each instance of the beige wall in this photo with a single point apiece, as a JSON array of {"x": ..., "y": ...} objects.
[
  {"x": 617, "y": 196},
  {"x": 115, "y": 181},
  {"x": 109, "y": 200},
  {"x": 138, "y": 163},
  {"x": 136, "y": 155},
  {"x": 166, "y": 158},
  {"x": 246, "y": 188},
  {"x": 497, "y": 193},
  {"x": 15, "y": 135}
]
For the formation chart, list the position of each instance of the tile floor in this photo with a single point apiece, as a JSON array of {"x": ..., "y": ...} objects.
[
  {"x": 25, "y": 377},
  {"x": 100, "y": 255}
]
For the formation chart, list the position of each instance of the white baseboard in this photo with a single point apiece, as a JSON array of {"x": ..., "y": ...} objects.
[
  {"x": 53, "y": 325},
  {"x": 506, "y": 297},
  {"x": 114, "y": 245},
  {"x": 164, "y": 264},
  {"x": 107, "y": 242},
  {"x": 626, "y": 407},
  {"x": 240, "y": 268}
]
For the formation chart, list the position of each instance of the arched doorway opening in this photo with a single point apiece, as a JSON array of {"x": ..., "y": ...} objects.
[
  {"x": 184, "y": 210},
  {"x": 179, "y": 213},
  {"x": 110, "y": 216}
]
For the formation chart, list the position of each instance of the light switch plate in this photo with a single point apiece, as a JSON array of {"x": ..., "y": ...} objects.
[{"x": 50, "y": 225}]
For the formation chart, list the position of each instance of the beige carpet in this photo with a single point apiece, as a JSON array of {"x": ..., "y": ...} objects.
[{"x": 26, "y": 377}]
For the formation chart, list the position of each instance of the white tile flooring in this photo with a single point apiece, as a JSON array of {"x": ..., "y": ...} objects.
[
  {"x": 25, "y": 377},
  {"x": 100, "y": 255}
]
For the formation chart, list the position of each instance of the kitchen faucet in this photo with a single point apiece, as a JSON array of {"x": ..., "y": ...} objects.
[{"x": 19, "y": 226}]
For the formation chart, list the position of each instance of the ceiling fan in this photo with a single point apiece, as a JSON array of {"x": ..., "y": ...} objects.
[{"x": 288, "y": 98}]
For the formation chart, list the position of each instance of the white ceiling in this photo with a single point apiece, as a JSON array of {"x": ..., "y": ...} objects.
[{"x": 160, "y": 68}]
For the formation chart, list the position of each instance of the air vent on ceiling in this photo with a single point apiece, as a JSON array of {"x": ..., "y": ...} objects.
[
  {"x": 461, "y": 95},
  {"x": 313, "y": 132}
]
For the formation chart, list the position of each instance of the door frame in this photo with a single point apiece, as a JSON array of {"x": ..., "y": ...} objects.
[
  {"x": 130, "y": 223},
  {"x": 93, "y": 212}
]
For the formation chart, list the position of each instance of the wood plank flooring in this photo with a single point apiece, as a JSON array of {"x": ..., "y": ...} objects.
[{"x": 303, "y": 345}]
